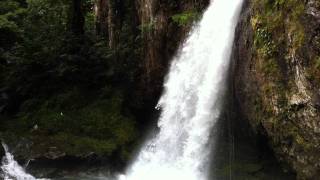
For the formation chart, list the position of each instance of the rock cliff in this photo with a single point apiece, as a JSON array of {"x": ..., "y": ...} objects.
[
  {"x": 2, "y": 151},
  {"x": 276, "y": 79},
  {"x": 159, "y": 26}
]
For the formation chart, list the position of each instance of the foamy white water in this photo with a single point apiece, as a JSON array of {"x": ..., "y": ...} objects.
[
  {"x": 11, "y": 169},
  {"x": 191, "y": 102}
]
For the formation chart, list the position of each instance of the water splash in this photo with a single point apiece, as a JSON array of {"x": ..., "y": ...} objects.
[
  {"x": 191, "y": 102},
  {"x": 11, "y": 169}
]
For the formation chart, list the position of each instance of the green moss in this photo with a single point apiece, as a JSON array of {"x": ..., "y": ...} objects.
[
  {"x": 271, "y": 67},
  {"x": 185, "y": 18},
  {"x": 78, "y": 145},
  {"x": 298, "y": 35},
  {"x": 278, "y": 35},
  {"x": 147, "y": 27},
  {"x": 263, "y": 43},
  {"x": 317, "y": 62},
  {"x": 294, "y": 138},
  {"x": 273, "y": 22},
  {"x": 76, "y": 124}
]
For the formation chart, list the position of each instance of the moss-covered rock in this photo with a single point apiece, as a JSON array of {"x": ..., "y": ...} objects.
[{"x": 276, "y": 78}]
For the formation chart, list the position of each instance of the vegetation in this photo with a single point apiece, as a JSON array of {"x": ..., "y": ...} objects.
[
  {"x": 185, "y": 18},
  {"x": 270, "y": 20},
  {"x": 62, "y": 82}
]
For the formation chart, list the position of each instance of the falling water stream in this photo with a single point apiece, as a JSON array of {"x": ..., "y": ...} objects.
[
  {"x": 190, "y": 105},
  {"x": 191, "y": 102}
]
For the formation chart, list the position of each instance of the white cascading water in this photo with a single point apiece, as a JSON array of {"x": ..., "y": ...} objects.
[
  {"x": 11, "y": 169},
  {"x": 191, "y": 102}
]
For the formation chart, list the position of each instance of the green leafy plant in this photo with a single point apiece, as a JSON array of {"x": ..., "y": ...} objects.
[{"x": 185, "y": 18}]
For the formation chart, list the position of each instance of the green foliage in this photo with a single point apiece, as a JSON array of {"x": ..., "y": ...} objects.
[
  {"x": 72, "y": 87},
  {"x": 185, "y": 18},
  {"x": 263, "y": 41},
  {"x": 90, "y": 23},
  {"x": 78, "y": 145},
  {"x": 82, "y": 121},
  {"x": 8, "y": 6},
  {"x": 11, "y": 13},
  {"x": 275, "y": 16},
  {"x": 270, "y": 67},
  {"x": 275, "y": 23}
]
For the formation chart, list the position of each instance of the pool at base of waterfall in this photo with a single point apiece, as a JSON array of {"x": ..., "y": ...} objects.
[
  {"x": 249, "y": 164},
  {"x": 238, "y": 160}
]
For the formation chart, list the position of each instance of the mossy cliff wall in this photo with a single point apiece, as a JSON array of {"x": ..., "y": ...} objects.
[
  {"x": 277, "y": 78},
  {"x": 159, "y": 27}
]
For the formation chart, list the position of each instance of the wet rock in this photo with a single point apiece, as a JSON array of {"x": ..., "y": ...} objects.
[
  {"x": 2, "y": 154},
  {"x": 313, "y": 9},
  {"x": 3, "y": 100},
  {"x": 316, "y": 100},
  {"x": 2, "y": 151},
  {"x": 54, "y": 153}
]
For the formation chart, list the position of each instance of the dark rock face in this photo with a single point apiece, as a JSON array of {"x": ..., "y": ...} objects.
[
  {"x": 158, "y": 34},
  {"x": 2, "y": 152},
  {"x": 276, "y": 79},
  {"x": 161, "y": 41}
]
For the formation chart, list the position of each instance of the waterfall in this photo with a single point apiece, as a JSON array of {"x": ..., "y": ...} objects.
[
  {"x": 11, "y": 169},
  {"x": 191, "y": 102},
  {"x": 190, "y": 105}
]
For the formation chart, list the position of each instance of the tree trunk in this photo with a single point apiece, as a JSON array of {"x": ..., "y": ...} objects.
[{"x": 77, "y": 18}]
